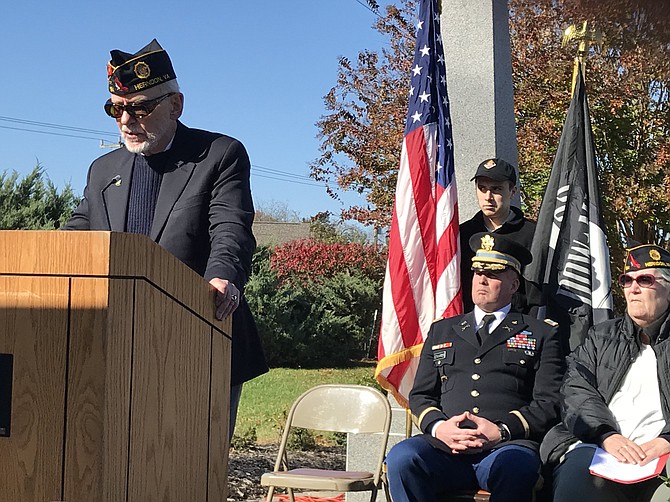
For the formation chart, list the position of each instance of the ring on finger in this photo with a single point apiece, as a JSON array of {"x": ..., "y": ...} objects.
[{"x": 234, "y": 298}]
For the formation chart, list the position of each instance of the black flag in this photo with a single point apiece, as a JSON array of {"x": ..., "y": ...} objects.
[{"x": 570, "y": 271}]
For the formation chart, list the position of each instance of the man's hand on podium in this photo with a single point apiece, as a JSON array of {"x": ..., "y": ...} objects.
[{"x": 227, "y": 297}]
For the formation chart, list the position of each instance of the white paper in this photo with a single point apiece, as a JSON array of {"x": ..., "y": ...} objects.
[{"x": 607, "y": 466}]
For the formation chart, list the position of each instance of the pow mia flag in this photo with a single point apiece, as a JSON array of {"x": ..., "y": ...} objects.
[{"x": 570, "y": 271}]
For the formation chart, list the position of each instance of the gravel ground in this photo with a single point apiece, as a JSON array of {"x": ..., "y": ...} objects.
[{"x": 246, "y": 465}]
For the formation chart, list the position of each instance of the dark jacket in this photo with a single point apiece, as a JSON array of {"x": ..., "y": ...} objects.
[
  {"x": 203, "y": 217},
  {"x": 518, "y": 227},
  {"x": 595, "y": 371},
  {"x": 501, "y": 380}
]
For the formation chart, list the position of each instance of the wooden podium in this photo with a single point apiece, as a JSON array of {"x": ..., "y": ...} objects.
[{"x": 114, "y": 373}]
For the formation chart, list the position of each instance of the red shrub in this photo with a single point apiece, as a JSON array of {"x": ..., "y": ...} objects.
[{"x": 311, "y": 260}]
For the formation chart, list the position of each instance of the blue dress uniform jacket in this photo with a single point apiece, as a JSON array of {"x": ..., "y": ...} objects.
[
  {"x": 514, "y": 377},
  {"x": 203, "y": 216}
]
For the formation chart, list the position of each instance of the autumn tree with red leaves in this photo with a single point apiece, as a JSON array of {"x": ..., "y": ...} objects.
[
  {"x": 627, "y": 83},
  {"x": 311, "y": 260},
  {"x": 362, "y": 134},
  {"x": 315, "y": 302}
]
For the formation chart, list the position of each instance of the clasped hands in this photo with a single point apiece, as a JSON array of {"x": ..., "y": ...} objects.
[
  {"x": 485, "y": 436},
  {"x": 629, "y": 452}
]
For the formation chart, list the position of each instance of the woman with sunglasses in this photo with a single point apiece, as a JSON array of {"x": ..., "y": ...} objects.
[{"x": 616, "y": 392}]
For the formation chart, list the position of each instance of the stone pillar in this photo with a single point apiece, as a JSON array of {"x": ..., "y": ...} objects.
[
  {"x": 362, "y": 448},
  {"x": 475, "y": 34}
]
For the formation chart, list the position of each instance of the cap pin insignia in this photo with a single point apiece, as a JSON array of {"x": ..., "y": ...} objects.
[{"x": 487, "y": 243}]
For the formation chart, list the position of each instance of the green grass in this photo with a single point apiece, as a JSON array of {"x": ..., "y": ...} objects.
[{"x": 266, "y": 399}]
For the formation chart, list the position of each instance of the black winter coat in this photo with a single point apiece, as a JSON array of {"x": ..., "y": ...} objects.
[{"x": 595, "y": 371}]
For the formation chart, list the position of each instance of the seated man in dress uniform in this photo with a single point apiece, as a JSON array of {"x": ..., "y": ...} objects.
[{"x": 485, "y": 393}]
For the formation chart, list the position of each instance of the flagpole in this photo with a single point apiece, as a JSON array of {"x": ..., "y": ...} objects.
[{"x": 586, "y": 38}]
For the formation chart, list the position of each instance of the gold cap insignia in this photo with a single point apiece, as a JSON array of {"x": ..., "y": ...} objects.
[
  {"x": 490, "y": 164},
  {"x": 487, "y": 243},
  {"x": 654, "y": 255},
  {"x": 142, "y": 70}
]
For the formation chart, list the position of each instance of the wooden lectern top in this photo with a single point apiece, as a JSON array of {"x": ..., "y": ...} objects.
[{"x": 107, "y": 254}]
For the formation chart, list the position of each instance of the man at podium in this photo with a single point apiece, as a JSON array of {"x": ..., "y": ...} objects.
[{"x": 187, "y": 189}]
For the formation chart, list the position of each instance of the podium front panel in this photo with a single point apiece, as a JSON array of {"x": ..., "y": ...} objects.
[
  {"x": 169, "y": 415},
  {"x": 33, "y": 329},
  {"x": 119, "y": 381}
]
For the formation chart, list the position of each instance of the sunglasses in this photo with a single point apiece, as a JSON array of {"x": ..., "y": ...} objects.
[
  {"x": 135, "y": 110},
  {"x": 644, "y": 281},
  {"x": 490, "y": 274}
]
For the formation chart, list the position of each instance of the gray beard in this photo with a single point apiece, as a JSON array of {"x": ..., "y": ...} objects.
[
  {"x": 145, "y": 147},
  {"x": 153, "y": 139}
]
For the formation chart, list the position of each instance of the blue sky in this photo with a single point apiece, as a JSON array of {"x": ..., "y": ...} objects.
[{"x": 256, "y": 70}]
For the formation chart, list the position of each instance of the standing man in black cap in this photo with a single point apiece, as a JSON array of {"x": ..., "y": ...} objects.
[
  {"x": 485, "y": 391},
  {"x": 495, "y": 186},
  {"x": 186, "y": 189}
]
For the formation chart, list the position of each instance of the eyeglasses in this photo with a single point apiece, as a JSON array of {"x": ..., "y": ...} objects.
[
  {"x": 644, "y": 281},
  {"x": 135, "y": 110}
]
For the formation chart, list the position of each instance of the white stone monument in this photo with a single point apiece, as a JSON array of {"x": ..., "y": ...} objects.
[{"x": 475, "y": 34}]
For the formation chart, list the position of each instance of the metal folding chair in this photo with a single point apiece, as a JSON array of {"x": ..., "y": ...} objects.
[{"x": 332, "y": 408}]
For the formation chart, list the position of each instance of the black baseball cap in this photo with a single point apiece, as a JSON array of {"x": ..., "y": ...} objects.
[{"x": 496, "y": 169}]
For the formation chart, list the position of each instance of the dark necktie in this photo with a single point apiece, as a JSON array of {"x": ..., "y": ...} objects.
[{"x": 483, "y": 332}]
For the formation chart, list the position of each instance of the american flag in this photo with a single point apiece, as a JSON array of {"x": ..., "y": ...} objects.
[{"x": 422, "y": 275}]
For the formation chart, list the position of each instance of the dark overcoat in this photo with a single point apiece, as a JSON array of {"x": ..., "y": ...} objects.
[{"x": 203, "y": 216}]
